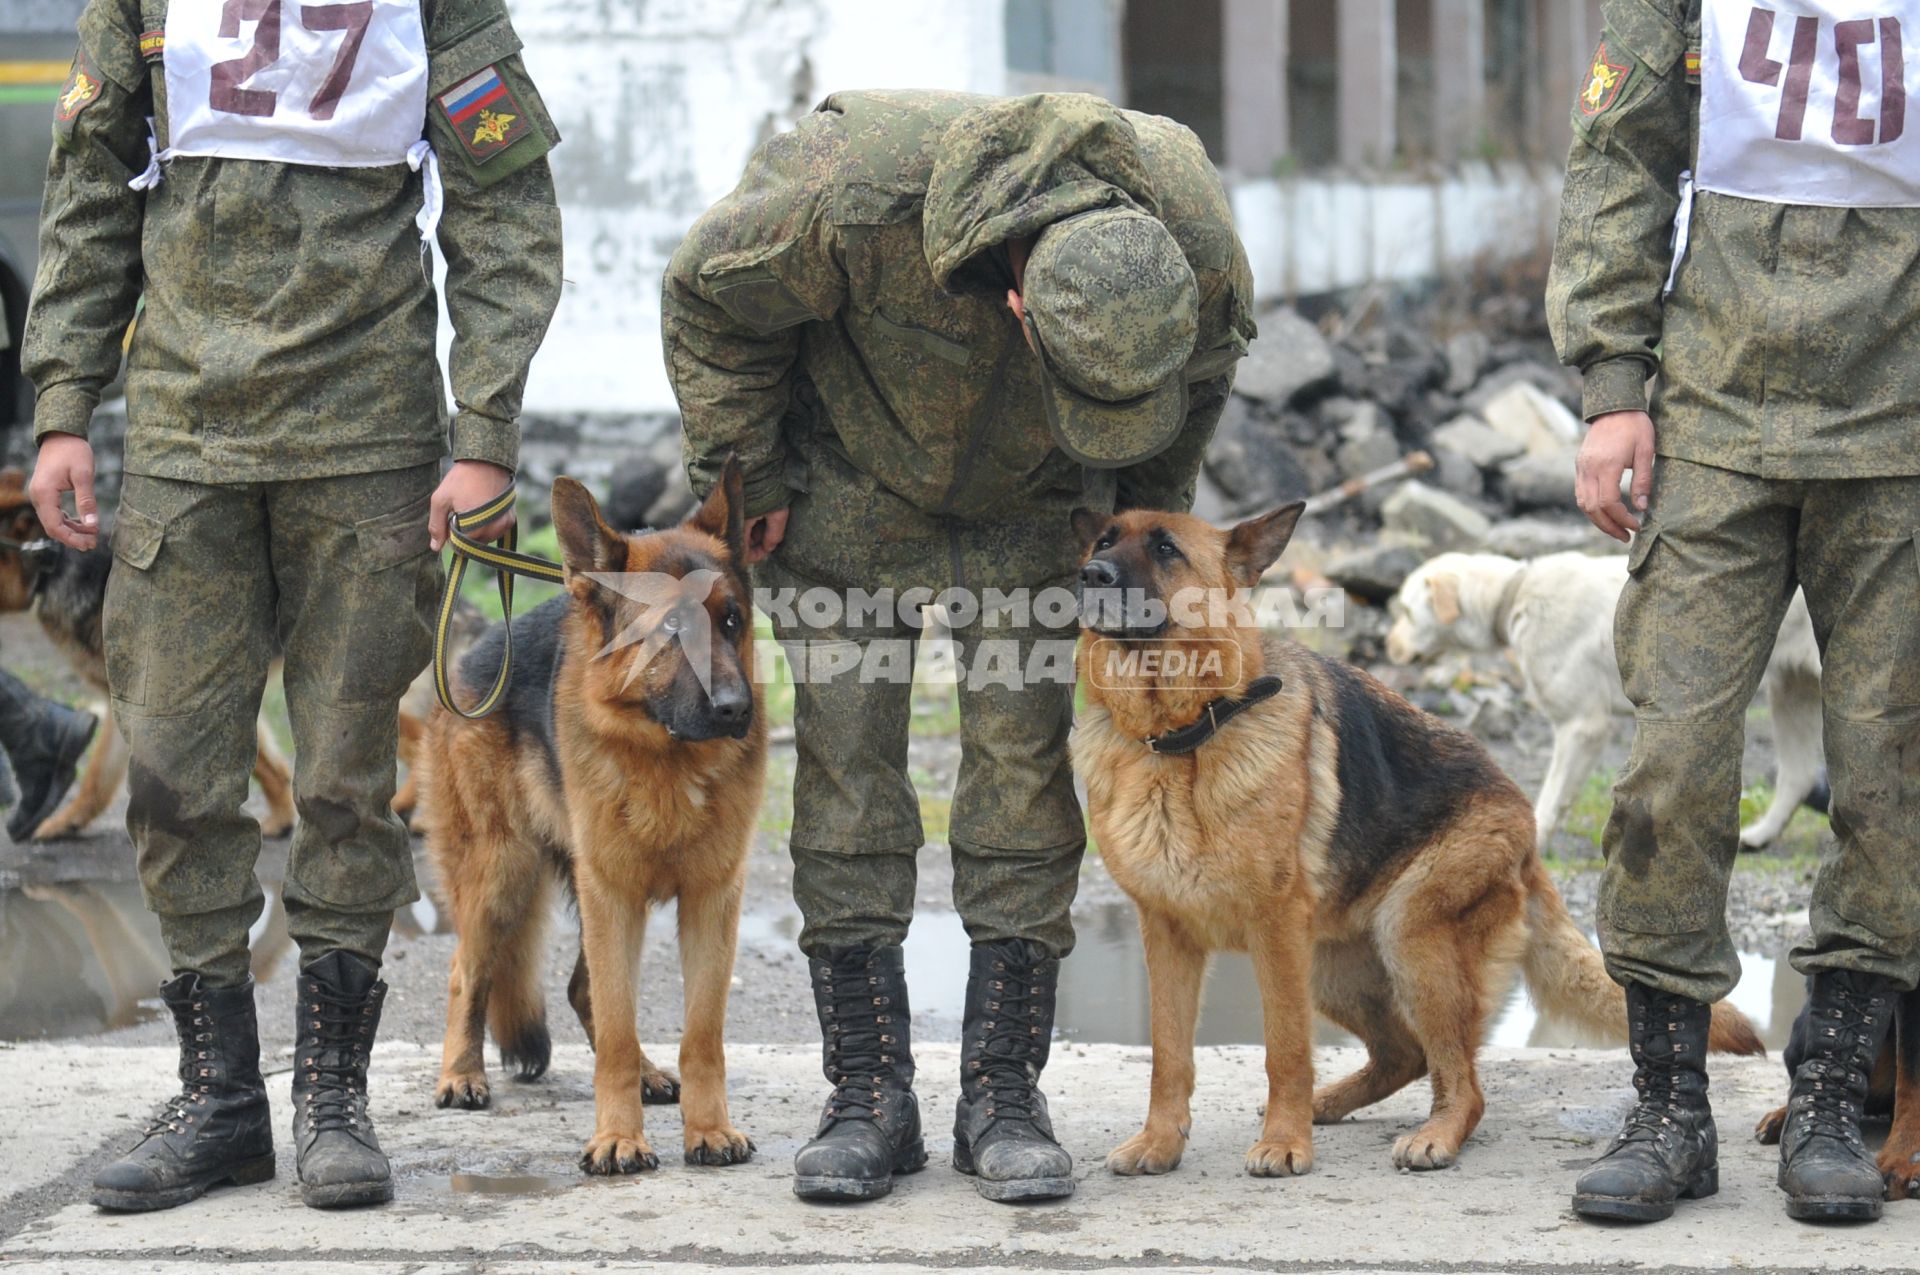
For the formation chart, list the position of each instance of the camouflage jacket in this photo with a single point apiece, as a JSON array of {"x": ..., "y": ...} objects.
[
  {"x": 1785, "y": 349},
  {"x": 286, "y": 322},
  {"x": 830, "y": 274}
]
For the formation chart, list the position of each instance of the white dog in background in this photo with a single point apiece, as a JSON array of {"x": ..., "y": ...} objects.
[{"x": 1554, "y": 615}]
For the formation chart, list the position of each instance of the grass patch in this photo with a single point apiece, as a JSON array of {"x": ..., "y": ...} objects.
[{"x": 1798, "y": 847}]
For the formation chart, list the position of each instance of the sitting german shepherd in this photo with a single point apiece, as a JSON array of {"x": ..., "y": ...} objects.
[
  {"x": 1893, "y": 1092},
  {"x": 1374, "y": 862},
  {"x": 626, "y": 762}
]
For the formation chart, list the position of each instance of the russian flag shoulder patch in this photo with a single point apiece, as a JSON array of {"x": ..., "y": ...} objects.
[{"x": 484, "y": 114}]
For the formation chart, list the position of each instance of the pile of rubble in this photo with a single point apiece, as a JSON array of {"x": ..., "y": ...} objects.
[{"x": 1498, "y": 417}]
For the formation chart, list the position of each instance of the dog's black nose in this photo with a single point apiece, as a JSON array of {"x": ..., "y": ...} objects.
[
  {"x": 1099, "y": 574},
  {"x": 731, "y": 706}
]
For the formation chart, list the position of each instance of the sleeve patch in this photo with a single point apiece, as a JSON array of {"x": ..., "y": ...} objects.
[
  {"x": 153, "y": 45},
  {"x": 81, "y": 90},
  {"x": 1606, "y": 80},
  {"x": 485, "y": 115}
]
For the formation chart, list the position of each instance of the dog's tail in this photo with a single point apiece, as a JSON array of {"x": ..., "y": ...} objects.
[{"x": 1568, "y": 979}]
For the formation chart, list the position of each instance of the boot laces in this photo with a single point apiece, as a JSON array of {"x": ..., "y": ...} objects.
[
  {"x": 1658, "y": 1081},
  {"x": 1008, "y": 1065},
  {"x": 339, "y": 1034},
  {"x": 861, "y": 1044},
  {"x": 197, "y": 1073},
  {"x": 1840, "y": 1067}
]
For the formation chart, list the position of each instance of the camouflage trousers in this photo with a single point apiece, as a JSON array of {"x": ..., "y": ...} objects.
[
  {"x": 1016, "y": 830},
  {"x": 1711, "y": 576},
  {"x": 210, "y": 583}
]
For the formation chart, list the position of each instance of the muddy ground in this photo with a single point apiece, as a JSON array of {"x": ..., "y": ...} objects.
[{"x": 71, "y": 905}]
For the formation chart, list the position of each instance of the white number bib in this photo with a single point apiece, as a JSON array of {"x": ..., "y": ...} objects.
[
  {"x": 342, "y": 83},
  {"x": 1806, "y": 101}
]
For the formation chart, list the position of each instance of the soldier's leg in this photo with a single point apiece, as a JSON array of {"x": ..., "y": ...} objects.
[
  {"x": 856, "y": 818},
  {"x": 1018, "y": 838},
  {"x": 1861, "y": 571},
  {"x": 856, "y": 829},
  {"x": 189, "y": 634},
  {"x": 358, "y": 591},
  {"x": 1709, "y": 579},
  {"x": 1862, "y": 577}
]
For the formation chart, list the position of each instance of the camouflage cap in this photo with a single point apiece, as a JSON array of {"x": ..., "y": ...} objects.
[{"x": 1114, "y": 311}]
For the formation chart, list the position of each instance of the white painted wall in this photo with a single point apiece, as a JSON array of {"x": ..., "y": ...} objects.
[{"x": 660, "y": 103}]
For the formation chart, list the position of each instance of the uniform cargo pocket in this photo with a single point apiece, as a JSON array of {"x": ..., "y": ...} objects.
[
  {"x": 389, "y": 603},
  {"x": 1643, "y": 541},
  {"x": 137, "y": 540}
]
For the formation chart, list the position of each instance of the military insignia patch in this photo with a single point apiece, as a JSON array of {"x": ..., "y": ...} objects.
[
  {"x": 81, "y": 89},
  {"x": 1604, "y": 83},
  {"x": 485, "y": 115},
  {"x": 153, "y": 44}
]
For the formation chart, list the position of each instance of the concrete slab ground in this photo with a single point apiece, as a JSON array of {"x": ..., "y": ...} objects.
[{"x": 497, "y": 1191}]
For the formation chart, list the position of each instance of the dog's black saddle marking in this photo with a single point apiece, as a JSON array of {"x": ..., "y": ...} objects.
[{"x": 1218, "y": 714}]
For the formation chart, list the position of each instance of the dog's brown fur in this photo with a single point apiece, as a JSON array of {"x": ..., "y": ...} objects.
[
  {"x": 1374, "y": 862},
  {"x": 621, "y": 810},
  {"x": 71, "y": 620}
]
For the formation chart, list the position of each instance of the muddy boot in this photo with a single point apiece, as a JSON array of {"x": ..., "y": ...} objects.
[
  {"x": 1001, "y": 1133},
  {"x": 338, "y": 1159},
  {"x": 44, "y": 742},
  {"x": 216, "y": 1130},
  {"x": 1825, "y": 1168},
  {"x": 870, "y": 1129},
  {"x": 1669, "y": 1149}
]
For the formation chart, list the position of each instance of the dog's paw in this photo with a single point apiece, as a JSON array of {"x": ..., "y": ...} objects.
[
  {"x": 57, "y": 826},
  {"x": 1423, "y": 1149},
  {"x": 1900, "y": 1168},
  {"x": 1148, "y": 1152},
  {"x": 713, "y": 1147},
  {"x": 274, "y": 827},
  {"x": 468, "y": 1092},
  {"x": 659, "y": 1088},
  {"x": 1770, "y": 1126},
  {"x": 610, "y": 1153},
  {"x": 1280, "y": 1157}
]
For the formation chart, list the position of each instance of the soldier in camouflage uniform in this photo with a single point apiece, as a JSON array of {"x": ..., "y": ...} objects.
[
  {"x": 286, "y": 424},
  {"x": 930, "y": 325},
  {"x": 1783, "y": 427}
]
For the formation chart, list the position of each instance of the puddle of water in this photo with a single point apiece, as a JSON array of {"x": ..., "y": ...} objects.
[
  {"x": 77, "y": 957},
  {"x": 1103, "y": 987}
]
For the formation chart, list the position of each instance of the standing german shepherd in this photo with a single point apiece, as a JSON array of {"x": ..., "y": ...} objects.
[
  {"x": 627, "y": 763},
  {"x": 1373, "y": 861}
]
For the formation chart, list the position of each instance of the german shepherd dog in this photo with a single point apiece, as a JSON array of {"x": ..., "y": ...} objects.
[
  {"x": 1374, "y": 862},
  {"x": 626, "y": 764},
  {"x": 1893, "y": 1092}
]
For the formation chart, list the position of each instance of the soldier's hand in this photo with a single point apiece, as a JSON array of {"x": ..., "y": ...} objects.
[
  {"x": 468, "y": 485},
  {"x": 65, "y": 464},
  {"x": 1616, "y": 443},
  {"x": 764, "y": 535}
]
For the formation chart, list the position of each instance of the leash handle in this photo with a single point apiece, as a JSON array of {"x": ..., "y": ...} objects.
[{"x": 506, "y": 560}]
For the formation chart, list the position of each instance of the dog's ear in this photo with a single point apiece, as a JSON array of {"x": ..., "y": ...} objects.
[
  {"x": 1445, "y": 589},
  {"x": 722, "y": 514},
  {"x": 587, "y": 543},
  {"x": 1087, "y": 526},
  {"x": 1257, "y": 543}
]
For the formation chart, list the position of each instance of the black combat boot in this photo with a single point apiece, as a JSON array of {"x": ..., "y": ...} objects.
[
  {"x": 1001, "y": 1132},
  {"x": 1669, "y": 1149},
  {"x": 216, "y": 1130},
  {"x": 1824, "y": 1166},
  {"x": 45, "y": 742},
  {"x": 338, "y": 1159},
  {"x": 870, "y": 1129}
]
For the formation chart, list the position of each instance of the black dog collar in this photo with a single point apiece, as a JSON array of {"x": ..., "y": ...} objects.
[{"x": 1218, "y": 714}]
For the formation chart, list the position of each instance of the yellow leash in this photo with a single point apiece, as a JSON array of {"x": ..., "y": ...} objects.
[{"x": 507, "y": 561}]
